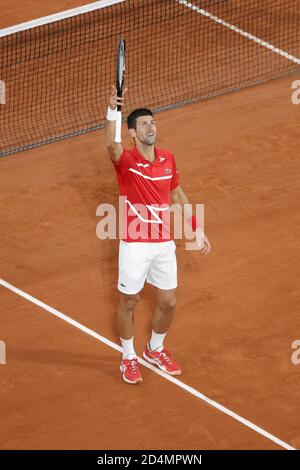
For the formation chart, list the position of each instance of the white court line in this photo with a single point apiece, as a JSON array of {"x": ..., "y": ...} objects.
[
  {"x": 249, "y": 36},
  {"x": 58, "y": 16},
  {"x": 177, "y": 382}
]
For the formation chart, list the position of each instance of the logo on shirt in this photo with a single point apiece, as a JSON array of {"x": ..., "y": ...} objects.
[
  {"x": 168, "y": 171},
  {"x": 161, "y": 159}
]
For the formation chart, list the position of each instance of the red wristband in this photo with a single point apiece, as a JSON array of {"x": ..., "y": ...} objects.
[{"x": 193, "y": 222}]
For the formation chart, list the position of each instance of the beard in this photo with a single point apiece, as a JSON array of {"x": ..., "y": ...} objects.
[{"x": 148, "y": 140}]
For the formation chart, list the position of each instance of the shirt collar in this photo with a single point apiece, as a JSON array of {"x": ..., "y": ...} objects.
[{"x": 138, "y": 154}]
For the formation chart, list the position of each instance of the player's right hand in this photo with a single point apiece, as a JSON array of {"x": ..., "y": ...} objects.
[{"x": 114, "y": 100}]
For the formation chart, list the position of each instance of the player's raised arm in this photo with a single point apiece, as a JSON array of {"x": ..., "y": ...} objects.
[{"x": 114, "y": 149}]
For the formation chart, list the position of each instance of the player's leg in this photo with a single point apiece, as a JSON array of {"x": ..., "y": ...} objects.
[
  {"x": 155, "y": 352},
  {"x": 163, "y": 275},
  {"x": 163, "y": 316},
  {"x": 125, "y": 314},
  {"x": 133, "y": 267},
  {"x": 125, "y": 318}
]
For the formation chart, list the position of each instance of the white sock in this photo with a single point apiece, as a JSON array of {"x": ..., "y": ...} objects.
[
  {"x": 157, "y": 341},
  {"x": 128, "y": 349}
]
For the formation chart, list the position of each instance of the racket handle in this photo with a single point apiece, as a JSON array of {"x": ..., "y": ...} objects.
[{"x": 118, "y": 138}]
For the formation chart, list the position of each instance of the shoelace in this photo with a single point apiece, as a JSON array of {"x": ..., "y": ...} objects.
[
  {"x": 166, "y": 356},
  {"x": 133, "y": 365}
]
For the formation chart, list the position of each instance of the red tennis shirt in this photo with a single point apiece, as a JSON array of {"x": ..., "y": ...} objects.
[{"x": 145, "y": 195}]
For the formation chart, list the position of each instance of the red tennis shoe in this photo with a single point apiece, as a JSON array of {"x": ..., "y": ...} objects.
[
  {"x": 163, "y": 360},
  {"x": 131, "y": 371}
]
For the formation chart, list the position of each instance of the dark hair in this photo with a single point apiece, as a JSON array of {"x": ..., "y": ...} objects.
[{"x": 131, "y": 120}]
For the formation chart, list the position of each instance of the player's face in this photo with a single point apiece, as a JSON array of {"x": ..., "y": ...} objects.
[{"x": 146, "y": 130}]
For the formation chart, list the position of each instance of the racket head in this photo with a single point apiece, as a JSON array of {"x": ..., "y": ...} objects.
[{"x": 120, "y": 70}]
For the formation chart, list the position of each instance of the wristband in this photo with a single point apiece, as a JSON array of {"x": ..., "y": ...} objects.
[
  {"x": 111, "y": 114},
  {"x": 193, "y": 223}
]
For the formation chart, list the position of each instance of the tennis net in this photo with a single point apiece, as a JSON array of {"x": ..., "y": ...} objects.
[{"x": 57, "y": 71}]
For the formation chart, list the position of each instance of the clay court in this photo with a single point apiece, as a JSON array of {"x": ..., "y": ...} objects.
[{"x": 237, "y": 309}]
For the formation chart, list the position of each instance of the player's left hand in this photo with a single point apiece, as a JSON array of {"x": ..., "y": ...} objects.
[{"x": 203, "y": 242}]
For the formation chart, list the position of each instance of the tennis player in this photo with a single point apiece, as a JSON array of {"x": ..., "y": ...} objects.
[{"x": 148, "y": 179}]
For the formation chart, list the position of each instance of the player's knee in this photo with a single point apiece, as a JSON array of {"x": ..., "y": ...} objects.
[
  {"x": 130, "y": 301},
  {"x": 168, "y": 306}
]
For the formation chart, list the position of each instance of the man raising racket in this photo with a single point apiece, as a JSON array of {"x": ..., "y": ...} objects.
[{"x": 148, "y": 179}]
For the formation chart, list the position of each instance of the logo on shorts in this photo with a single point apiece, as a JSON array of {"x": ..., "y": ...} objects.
[{"x": 123, "y": 285}]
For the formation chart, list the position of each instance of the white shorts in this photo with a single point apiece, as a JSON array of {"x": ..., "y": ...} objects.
[{"x": 151, "y": 261}]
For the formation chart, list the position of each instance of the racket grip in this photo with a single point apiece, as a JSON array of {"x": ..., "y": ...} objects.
[{"x": 118, "y": 138}]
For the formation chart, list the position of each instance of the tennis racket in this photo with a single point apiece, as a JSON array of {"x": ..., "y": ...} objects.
[{"x": 120, "y": 79}]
